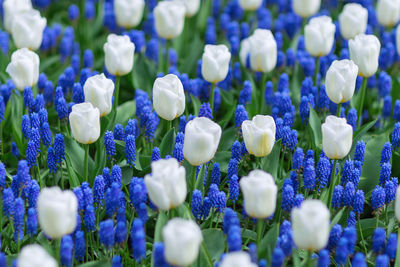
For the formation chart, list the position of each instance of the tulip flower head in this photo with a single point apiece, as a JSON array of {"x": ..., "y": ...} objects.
[
  {"x": 319, "y": 36},
  {"x": 337, "y": 137},
  {"x": 192, "y": 6},
  {"x": 119, "y": 52},
  {"x": 27, "y": 29},
  {"x": 340, "y": 81},
  {"x": 250, "y": 5},
  {"x": 215, "y": 63},
  {"x": 306, "y": 8},
  {"x": 128, "y": 13},
  {"x": 98, "y": 91},
  {"x": 259, "y": 135},
  {"x": 353, "y": 20},
  {"x": 35, "y": 256},
  {"x": 84, "y": 120},
  {"x": 364, "y": 51},
  {"x": 12, "y": 8},
  {"x": 24, "y": 68},
  {"x": 262, "y": 51},
  {"x": 388, "y": 12},
  {"x": 237, "y": 259},
  {"x": 169, "y": 19}
]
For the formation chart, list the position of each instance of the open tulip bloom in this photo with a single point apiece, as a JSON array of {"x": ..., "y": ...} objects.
[{"x": 235, "y": 133}]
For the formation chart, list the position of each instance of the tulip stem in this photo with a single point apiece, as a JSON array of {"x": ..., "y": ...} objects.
[
  {"x": 57, "y": 250},
  {"x": 309, "y": 259},
  {"x": 262, "y": 90},
  {"x": 333, "y": 184},
  {"x": 316, "y": 71},
  {"x": 363, "y": 92},
  {"x": 397, "y": 263},
  {"x": 167, "y": 45},
  {"x": 212, "y": 97},
  {"x": 206, "y": 254},
  {"x": 362, "y": 235},
  {"x": 85, "y": 177},
  {"x": 338, "y": 110},
  {"x": 117, "y": 82},
  {"x": 260, "y": 224}
]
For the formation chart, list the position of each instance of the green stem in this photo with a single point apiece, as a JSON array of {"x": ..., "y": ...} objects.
[
  {"x": 397, "y": 263},
  {"x": 377, "y": 220},
  {"x": 260, "y": 224},
  {"x": 362, "y": 235},
  {"x": 333, "y": 184},
  {"x": 212, "y": 97},
  {"x": 116, "y": 97},
  {"x": 206, "y": 254},
  {"x": 363, "y": 93},
  {"x": 57, "y": 250},
  {"x": 309, "y": 259},
  {"x": 39, "y": 178},
  {"x": 86, "y": 162},
  {"x": 338, "y": 110},
  {"x": 167, "y": 45},
  {"x": 316, "y": 70},
  {"x": 262, "y": 90}
]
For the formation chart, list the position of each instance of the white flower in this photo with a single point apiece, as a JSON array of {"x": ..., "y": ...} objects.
[
  {"x": 310, "y": 224},
  {"x": 250, "y": 4},
  {"x": 12, "y": 8},
  {"x": 119, "y": 52},
  {"x": 57, "y": 211},
  {"x": 169, "y": 19},
  {"x": 340, "y": 81},
  {"x": 319, "y": 35},
  {"x": 192, "y": 6},
  {"x": 35, "y": 256},
  {"x": 27, "y": 29},
  {"x": 397, "y": 204},
  {"x": 182, "y": 239},
  {"x": 84, "y": 120},
  {"x": 398, "y": 39},
  {"x": 215, "y": 63},
  {"x": 259, "y": 194},
  {"x": 168, "y": 97},
  {"x": 244, "y": 51},
  {"x": 337, "y": 137},
  {"x": 353, "y": 20},
  {"x": 202, "y": 137},
  {"x": 99, "y": 91},
  {"x": 306, "y": 8},
  {"x": 166, "y": 185},
  {"x": 24, "y": 68},
  {"x": 237, "y": 259},
  {"x": 364, "y": 51},
  {"x": 388, "y": 12},
  {"x": 263, "y": 51},
  {"x": 259, "y": 135},
  {"x": 128, "y": 13}
]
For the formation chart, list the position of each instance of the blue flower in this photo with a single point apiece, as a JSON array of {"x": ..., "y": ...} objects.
[
  {"x": 240, "y": 116},
  {"x": 33, "y": 193},
  {"x": 342, "y": 251},
  {"x": 8, "y": 202},
  {"x": 324, "y": 259},
  {"x": 382, "y": 261},
  {"x": 277, "y": 257},
  {"x": 390, "y": 192},
  {"x": 158, "y": 254},
  {"x": 14, "y": 150},
  {"x": 337, "y": 197},
  {"x": 78, "y": 95},
  {"x": 287, "y": 198},
  {"x": 130, "y": 150},
  {"x": 116, "y": 260},
  {"x": 116, "y": 175},
  {"x": 378, "y": 240},
  {"x": 350, "y": 233},
  {"x": 155, "y": 154},
  {"x": 73, "y": 12},
  {"x": 352, "y": 118},
  {"x": 378, "y": 198},
  {"x": 31, "y": 153},
  {"x": 205, "y": 111},
  {"x": 19, "y": 213},
  {"x": 59, "y": 147},
  {"x": 66, "y": 250},
  {"x": 323, "y": 172},
  {"x": 359, "y": 260},
  {"x": 396, "y": 136},
  {"x": 304, "y": 109},
  {"x": 386, "y": 153},
  {"x": 309, "y": 175},
  {"x": 119, "y": 132},
  {"x": 106, "y": 233},
  {"x": 298, "y": 200},
  {"x": 51, "y": 160},
  {"x": 31, "y": 222},
  {"x": 358, "y": 203},
  {"x": 45, "y": 134},
  {"x": 236, "y": 151},
  {"x": 347, "y": 171},
  {"x": 80, "y": 246},
  {"x": 90, "y": 218},
  {"x": 121, "y": 232},
  {"x": 234, "y": 188},
  {"x": 298, "y": 159},
  {"x": 138, "y": 240},
  {"x": 197, "y": 204},
  {"x": 348, "y": 194},
  {"x": 391, "y": 246},
  {"x": 334, "y": 237},
  {"x": 245, "y": 94},
  {"x": 26, "y": 126},
  {"x": 234, "y": 238},
  {"x": 351, "y": 220}
]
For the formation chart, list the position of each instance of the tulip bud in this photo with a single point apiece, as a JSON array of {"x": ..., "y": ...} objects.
[
  {"x": 166, "y": 185},
  {"x": 388, "y": 12},
  {"x": 259, "y": 135},
  {"x": 397, "y": 204},
  {"x": 27, "y": 29},
  {"x": 237, "y": 259},
  {"x": 259, "y": 193},
  {"x": 250, "y": 4},
  {"x": 84, "y": 120},
  {"x": 35, "y": 256},
  {"x": 306, "y": 8},
  {"x": 168, "y": 97},
  {"x": 215, "y": 64},
  {"x": 192, "y": 6},
  {"x": 119, "y": 52},
  {"x": 263, "y": 51},
  {"x": 353, "y": 20},
  {"x": 128, "y": 13},
  {"x": 310, "y": 224},
  {"x": 182, "y": 239},
  {"x": 169, "y": 19},
  {"x": 340, "y": 80},
  {"x": 337, "y": 137},
  {"x": 364, "y": 51},
  {"x": 202, "y": 137},
  {"x": 24, "y": 68},
  {"x": 57, "y": 211},
  {"x": 99, "y": 91},
  {"x": 12, "y": 8},
  {"x": 319, "y": 35}
]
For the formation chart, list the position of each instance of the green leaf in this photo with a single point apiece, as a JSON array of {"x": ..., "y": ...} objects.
[
  {"x": 200, "y": 178},
  {"x": 215, "y": 243},
  {"x": 315, "y": 124},
  {"x": 162, "y": 219},
  {"x": 268, "y": 242},
  {"x": 196, "y": 104},
  {"x": 72, "y": 177},
  {"x": 167, "y": 143},
  {"x": 125, "y": 111},
  {"x": 337, "y": 217},
  {"x": 103, "y": 263},
  {"x": 270, "y": 163},
  {"x": 77, "y": 154}
]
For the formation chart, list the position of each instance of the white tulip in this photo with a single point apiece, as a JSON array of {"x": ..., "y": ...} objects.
[
  {"x": 166, "y": 185},
  {"x": 353, "y": 20},
  {"x": 337, "y": 137},
  {"x": 310, "y": 224},
  {"x": 259, "y": 194},
  {"x": 119, "y": 52},
  {"x": 215, "y": 63},
  {"x": 364, "y": 51},
  {"x": 397, "y": 204},
  {"x": 192, "y": 6},
  {"x": 237, "y": 259},
  {"x": 250, "y": 4},
  {"x": 98, "y": 91},
  {"x": 84, "y": 120},
  {"x": 11, "y": 8},
  {"x": 168, "y": 97},
  {"x": 388, "y": 12},
  {"x": 306, "y": 8},
  {"x": 259, "y": 135},
  {"x": 202, "y": 137},
  {"x": 27, "y": 29},
  {"x": 57, "y": 211},
  {"x": 398, "y": 39},
  {"x": 340, "y": 81},
  {"x": 263, "y": 51},
  {"x": 182, "y": 239},
  {"x": 244, "y": 51},
  {"x": 319, "y": 35},
  {"x": 35, "y": 256},
  {"x": 24, "y": 68},
  {"x": 169, "y": 19},
  {"x": 128, "y": 13}
]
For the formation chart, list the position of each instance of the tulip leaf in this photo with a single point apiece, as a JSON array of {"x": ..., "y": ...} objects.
[
  {"x": 196, "y": 105},
  {"x": 162, "y": 219},
  {"x": 76, "y": 154},
  {"x": 270, "y": 163},
  {"x": 337, "y": 217},
  {"x": 125, "y": 111},
  {"x": 315, "y": 124},
  {"x": 103, "y": 263},
  {"x": 215, "y": 244},
  {"x": 200, "y": 178},
  {"x": 268, "y": 241},
  {"x": 143, "y": 73},
  {"x": 168, "y": 143}
]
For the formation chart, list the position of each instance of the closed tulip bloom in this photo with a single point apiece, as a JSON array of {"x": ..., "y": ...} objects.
[
  {"x": 259, "y": 135},
  {"x": 202, "y": 137},
  {"x": 119, "y": 51},
  {"x": 388, "y": 12},
  {"x": 84, "y": 120},
  {"x": 306, "y": 8},
  {"x": 192, "y": 6},
  {"x": 35, "y": 256},
  {"x": 166, "y": 185},
  {"x": 353, "y": 20},
  {"x": 319, "y": 35},
  {"x": 244, "y": 51},
  {"x": 27, "y": 29},
  {"x": 237, "y": 259},
  {"x": 99, "y": 91},
  {"x": 169, "y": 19},
  {"x": 397, "y": 204},
  {"x": 364, "y": 51},
  {"x": 12, "y": 8},
  {"x": 259, "y": 193},
  {"x": 168, "y": 97},
  {"x": 215, "y": 64},
  {"x": 310, "y": 224},
  {"x": 24, "y": 68},
  {"x": 263, "y": 51},
  {"x": 340, "y": 81},
  {"x": 337, "y": 137},
  {"x": 250, "y": 4},
  {"x": 182, "y": 239},
  {"x": 57, "y": 211},
  {"x": 128, "y": 13}
]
